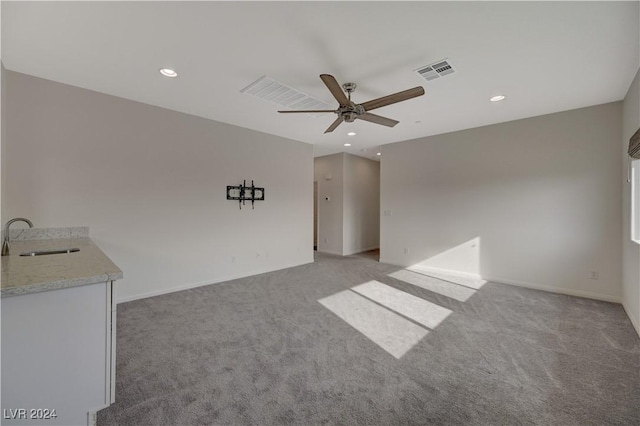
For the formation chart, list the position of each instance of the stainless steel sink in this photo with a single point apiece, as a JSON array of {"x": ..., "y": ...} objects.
[{"x": 45, "y": 252}]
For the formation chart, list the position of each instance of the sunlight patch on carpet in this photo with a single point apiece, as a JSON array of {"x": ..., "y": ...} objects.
[
  {"x": 419, "y": 310},
  {"x": 392, "y": 332}
]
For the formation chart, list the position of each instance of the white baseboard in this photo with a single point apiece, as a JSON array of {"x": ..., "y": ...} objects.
[
  {"x": 392, "y": 262},
  {"x": 362, "y": 250},
  {"x": 633, "y": 320},
  {"x": 329, "y": 252},
  {"x": 559, "y": 290},
  {"x": 426, "y": 269},
  {"x": 92, "y": 418},
  {"x": 215, "y": 281},
  {"x": 498, "y": 280}
]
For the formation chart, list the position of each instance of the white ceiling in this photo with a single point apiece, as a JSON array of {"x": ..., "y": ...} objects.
[{"x": 544, "y": 56}]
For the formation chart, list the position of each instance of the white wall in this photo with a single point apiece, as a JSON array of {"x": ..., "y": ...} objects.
[
  {"x": 361, "y": 230},
  {"x": 151, "y": 185},
  {"x": 631, "y": 250},
  {"x": 349, "y": 222},
  {"x": 533, "y": 202},
  {"x": 328, "y": 172},
  {"x": 3, "y": 131}
]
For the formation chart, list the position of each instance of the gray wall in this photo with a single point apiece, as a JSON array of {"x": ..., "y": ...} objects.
[
  {"x": 361, "y": 230},
  {"x": 329, "y": 173},
  {"x": 349, "y": 222},
  {"x": 533, "y": 202},
  {"x": 631, "y": 250},
  {"x": 151, "y": 185}
]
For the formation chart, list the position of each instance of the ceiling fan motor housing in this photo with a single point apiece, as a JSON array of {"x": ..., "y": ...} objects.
[
  {"x": 350, "y": 116},
  {"x": 350, "y": 112}
]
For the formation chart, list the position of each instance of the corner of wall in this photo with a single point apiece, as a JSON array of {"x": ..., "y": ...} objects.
[
  {"x": 630, "y": 250},
  {"x": 3, "y": 137},
  {"x": 634, "y": 321}
]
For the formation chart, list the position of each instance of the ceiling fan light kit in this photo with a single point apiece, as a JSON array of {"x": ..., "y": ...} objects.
[{"x": 349, "y": 111}]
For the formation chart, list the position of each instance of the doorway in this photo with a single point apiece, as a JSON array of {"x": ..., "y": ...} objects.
[{"x": 315, "y": 216}]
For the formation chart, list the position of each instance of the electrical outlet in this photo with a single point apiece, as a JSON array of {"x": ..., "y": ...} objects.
[
  {"x": 233, "y": 259},
  {"x": 326, "y": 240},
  {"x": 594, "y": 275},
  {"x": 406, "y": 250}
]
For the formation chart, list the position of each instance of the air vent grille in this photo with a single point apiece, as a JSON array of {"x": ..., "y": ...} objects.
[
  {"x": 273, "y": 91},
  {"x": 435, "y": 70}
]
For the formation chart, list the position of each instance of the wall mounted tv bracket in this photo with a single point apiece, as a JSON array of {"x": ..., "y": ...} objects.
[{"x": 242, "y": 193}]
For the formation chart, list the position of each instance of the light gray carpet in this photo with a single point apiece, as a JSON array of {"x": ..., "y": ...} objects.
[{"x": 263, "y": 351}]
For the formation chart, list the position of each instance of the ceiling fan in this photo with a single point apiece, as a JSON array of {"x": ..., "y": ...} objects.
[{"x": 349, "y": 111}]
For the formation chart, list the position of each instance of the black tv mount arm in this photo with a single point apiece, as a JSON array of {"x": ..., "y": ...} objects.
[{"x": 242, "y": 193}]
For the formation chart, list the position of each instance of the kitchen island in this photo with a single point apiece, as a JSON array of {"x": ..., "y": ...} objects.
[{"x": 58, "y": 328}]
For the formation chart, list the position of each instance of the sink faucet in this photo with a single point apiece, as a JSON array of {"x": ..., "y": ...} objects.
[{"x": 5, "y": 242}]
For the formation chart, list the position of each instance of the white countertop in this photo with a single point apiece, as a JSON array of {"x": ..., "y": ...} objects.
[{"x": 31, "y": 274}]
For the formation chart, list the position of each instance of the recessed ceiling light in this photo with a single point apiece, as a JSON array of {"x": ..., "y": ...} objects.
[
  {"x": 347, "y": 144},
  {"x": 351, "y": 134},
  {"x": 497, "y": 98},
  {"x": 378, "y": 153},
  {"x": 168, "y": 72}
]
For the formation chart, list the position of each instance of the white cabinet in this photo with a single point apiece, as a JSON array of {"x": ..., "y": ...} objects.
[{"x": 58, "y": 353}]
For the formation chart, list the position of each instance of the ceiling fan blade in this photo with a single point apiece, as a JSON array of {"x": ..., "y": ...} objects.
[
  {"x": 307, "y": 110},
  {"x": 373, "y": 118},
  {"x": 392, "y": 99},
  {"x": 335, "y": 89},
  {"x": 334, "y": 125}
]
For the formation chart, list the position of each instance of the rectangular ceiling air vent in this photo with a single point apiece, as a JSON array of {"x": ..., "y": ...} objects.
[
  {"x": 273, "y": 91},
  {"x": 435, "y": 70}
]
